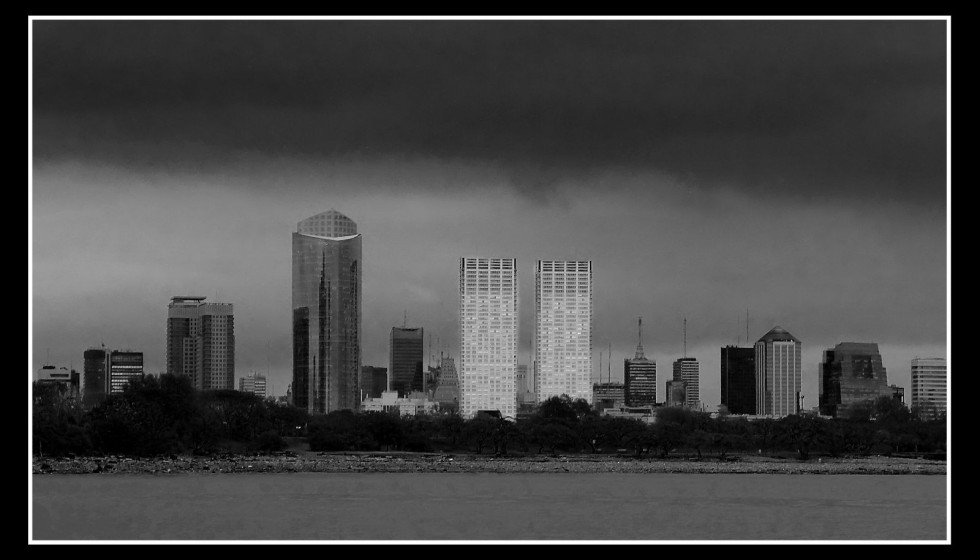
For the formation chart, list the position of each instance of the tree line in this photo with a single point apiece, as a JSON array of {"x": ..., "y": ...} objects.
[{"x": 166, "y": 415}]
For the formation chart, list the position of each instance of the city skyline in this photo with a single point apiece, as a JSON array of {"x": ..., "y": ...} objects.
[{"x": 812, "y": 195}]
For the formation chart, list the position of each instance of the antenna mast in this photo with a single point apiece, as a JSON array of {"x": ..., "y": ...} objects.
[
  {"x": 685, "y": 337},
  {"x": 609, "y": 365}
]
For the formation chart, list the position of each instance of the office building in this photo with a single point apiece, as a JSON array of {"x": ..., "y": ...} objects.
[
  {"x": 639, "y": 375},
  {"x": 374, "y": 381},
  {"x": 326, "y": 313},
  {"x": 929, "y": 387},
  {"x": 563, "y": 330},
  {"x": 676, "y": 392},
  {"x": 94, "y": 376},
  {"x": 201, "y": 342},
  {"x": 688, "y": 370},
  {"x": 124, "y": 366},
  {"x": 488, "y": 336},
  {"x": 851, "y": 376},
  {"x": 405, "y": 360},
  {"x": 778, "y": 373},
  {"x": 253, "y": 383},
  {"x": 738, "y": 379},
  {"x": 447, "y": 392},
  {"x": 608, "y": 395},
  {"x": 66, "y": 381}
]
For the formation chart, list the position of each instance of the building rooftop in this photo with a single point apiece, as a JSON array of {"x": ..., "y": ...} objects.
[{"x": 778, "y": 333}]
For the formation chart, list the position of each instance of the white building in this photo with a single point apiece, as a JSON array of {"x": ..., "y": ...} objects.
[
  {"x": 778, "y": 373},
  {"x": 488, "y": 335},
  {"x": 929, "y": 385},
  {"x": 253, "y": 383},
  {"x": 410, "y": 405},
  {"x": 563, "y": 330}
]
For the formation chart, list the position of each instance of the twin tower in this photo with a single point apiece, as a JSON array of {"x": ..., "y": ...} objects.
[{"x": 327, "y": 324}]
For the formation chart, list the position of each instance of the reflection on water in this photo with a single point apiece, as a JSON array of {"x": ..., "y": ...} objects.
[{"x": 458, "y": 506}]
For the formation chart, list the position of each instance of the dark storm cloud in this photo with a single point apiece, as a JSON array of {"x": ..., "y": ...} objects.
[{"x": 837, "y": 106}]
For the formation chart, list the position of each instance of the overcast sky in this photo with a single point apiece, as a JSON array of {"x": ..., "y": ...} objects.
[{"x": 794, "y": 170}]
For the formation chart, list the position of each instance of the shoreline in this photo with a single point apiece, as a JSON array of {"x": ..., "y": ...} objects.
[{"x": 403, "y": 462}]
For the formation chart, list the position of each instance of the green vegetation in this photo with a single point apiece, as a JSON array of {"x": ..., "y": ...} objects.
[{"x": 165, "y": 415}]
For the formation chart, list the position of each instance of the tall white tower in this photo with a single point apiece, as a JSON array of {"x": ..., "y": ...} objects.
[
  {"x": 488, "y": 336},
  {"x": 563, "y": 330}
]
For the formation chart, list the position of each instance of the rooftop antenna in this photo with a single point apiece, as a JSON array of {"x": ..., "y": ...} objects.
[
  {"x": 405, "y": 323},
  {"x": 609, "y": 365},
  {"x": 600, "y": 366},
  {"x": 738, "y": 331},
  {"x": 746, "y": 325},
  {"x": 639, "y": 345}
]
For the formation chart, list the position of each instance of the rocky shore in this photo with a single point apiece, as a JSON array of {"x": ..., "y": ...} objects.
[{"x": 471, "y": 463}]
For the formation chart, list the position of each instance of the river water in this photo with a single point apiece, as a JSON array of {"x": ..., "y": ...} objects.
[{"x": 488, "y": 507}]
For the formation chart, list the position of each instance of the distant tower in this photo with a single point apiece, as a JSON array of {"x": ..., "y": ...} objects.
[
  {"x": 929, "y": 387},
  {"x": 405, "y": 360},
  {"x": 124, "y": 367},
  {"x": 563, "y": 330},
  {"x": 326, "y": 313},
  {"x": 851, "y": 374},
  {"x": 201, "y": 342},
  {"x": 778, "y": 374},
  {"x": 639, "y": 375},
  {"x": 488, "y": 335},
  {"x": 95, "y": 378},
  {"x": 738, "y": 379},
  {"x": 253, "y": 383},
  {"x": 688, "y": 370}
]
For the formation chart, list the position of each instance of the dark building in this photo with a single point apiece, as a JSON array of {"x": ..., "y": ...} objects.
[
  {"x": 405, "y": 362},
  {"x": 608, "y": 395},
  {"x": 326, "y": 314},
  {"x": 640, "y": 376},
  {"x": 676, "y": 392},
  {"x": 851, "y": 374},
  {"x": 374, "y": 381},
  {"x": 94, "y": 376},
  {"x": 124, "y": 366},
  {"x": 738, "y": 379}
]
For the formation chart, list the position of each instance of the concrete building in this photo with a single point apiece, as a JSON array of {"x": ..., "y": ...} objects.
[
  {"x": 563, "y": 330},
  {"x": 738, "y": 379},
  {"x": 676, "y": 392},
  {"x": 124, "y": 366},
  {"x": 201, "y": 342},
  {"x": 374, "y": 381},
  {"x": 929, "y": 387},
  {"x": 67, "y": 381},
  {"x": 326, "y": 313},
  {"x": 778, "y": 373},
  {"x": 851, "y": 375},
  {"x": 253, "y": 383},
  {"x": 447, "y": 392},
  {"x": 688, "y": 370},
  {"x": 639, "y": 375},
  {"x": 525, "y": 385},
  {"x": 405, "y": 354},
  {"x": 488, "y": 323}
]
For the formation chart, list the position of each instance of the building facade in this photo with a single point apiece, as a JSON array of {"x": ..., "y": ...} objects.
[
  {"x": 253, "y": 383},
  {"x": 488, "y": 324},
  {"x": 201, "y": 342},
  {"x": 851, "y": 375},
  {"x": 447, "y": 392},
  {"x": 563, "y": 330},
  {"x": 405, "y": 353},
  {"x": 738, "y": 379},
  {"x": 608, "y": 395},
  {"x": 639, "y": 375},
  {"x": 94, "y": 376},
  {"x": 374, "y": 381},
  {"x": 688, "y": 370},
  {"x": 676, "y": 392},
  {"x": 929, "y": 387},
  {"x": 778, "y": 373},
  {"x": 124, "y": 366},
  {"x": 326, "y": 313}
]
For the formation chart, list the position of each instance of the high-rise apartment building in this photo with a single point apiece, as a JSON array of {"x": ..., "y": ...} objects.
[
  {"x": 851, "y": 375},
  {"x": 639, "y": 375},
  {"x": 253, "y": 383},
  {"x": 405, "y": 360},
  {"x": 563, "y": 330},
  {"x": 929, "y": 387},
  {"x": 201, "y": 342},
  {"x": 326, "y": 313},
  {"x": 778, "y": 373},
  {"x": 124, "y": 366},
  {"x": 688, "y": 370},
  {"x": 488, "y": 335},
  {"x": 738, "y": 379}
]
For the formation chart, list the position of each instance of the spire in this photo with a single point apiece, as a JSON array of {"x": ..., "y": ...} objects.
[{"x": 639, "y": 341}]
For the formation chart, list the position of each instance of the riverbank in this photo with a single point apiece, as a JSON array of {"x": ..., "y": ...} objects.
[{"x": 308, "y": 461}]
